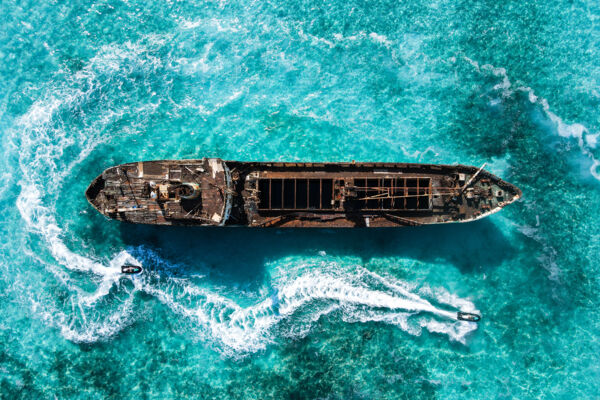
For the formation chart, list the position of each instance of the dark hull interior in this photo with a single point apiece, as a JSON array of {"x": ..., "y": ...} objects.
[{"x": 261, "y": 194}]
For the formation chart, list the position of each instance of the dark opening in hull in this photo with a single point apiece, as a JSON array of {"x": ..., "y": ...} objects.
[{"x": 260, "y": 194}]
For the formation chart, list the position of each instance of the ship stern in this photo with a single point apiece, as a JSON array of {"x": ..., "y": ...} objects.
[{"x": 94, "y": 192}]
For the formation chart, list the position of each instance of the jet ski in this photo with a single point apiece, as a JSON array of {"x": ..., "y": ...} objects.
[
  {"x": 130, "y": 269},
  {"x": 465, "y": 316}
]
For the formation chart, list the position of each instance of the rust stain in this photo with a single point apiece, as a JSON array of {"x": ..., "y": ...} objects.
[{"x": 214, "y": 192}]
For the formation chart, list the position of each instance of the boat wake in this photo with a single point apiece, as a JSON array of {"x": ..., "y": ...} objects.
[
  {"x": 96, "y": 301},
  {"x": 300, "y": 292},
  {"x": 238, "y": 323}
]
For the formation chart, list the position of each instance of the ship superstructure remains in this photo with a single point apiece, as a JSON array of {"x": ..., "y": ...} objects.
[{"x": 214, "y": 192}]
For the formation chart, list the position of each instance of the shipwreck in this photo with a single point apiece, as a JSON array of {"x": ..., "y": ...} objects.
[{"x": 213, "y": 192}]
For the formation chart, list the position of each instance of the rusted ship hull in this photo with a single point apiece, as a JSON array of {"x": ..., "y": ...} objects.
[{"x": 213, "y": 192}]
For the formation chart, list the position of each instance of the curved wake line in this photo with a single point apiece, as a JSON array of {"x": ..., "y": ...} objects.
[
  {"x": 298, "y": 301},
  {"x": 357, "y": 294},
  {"x": 41, "y": 139},
  {"x": 585, "y": 139}
]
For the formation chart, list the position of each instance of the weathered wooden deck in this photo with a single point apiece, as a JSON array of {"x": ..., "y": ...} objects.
[{"x": 298, "y": 194}]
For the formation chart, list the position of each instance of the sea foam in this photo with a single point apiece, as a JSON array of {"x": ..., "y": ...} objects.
[
  {"x": 301, "y": 292},
  {"x": 586, "y": 140},
  {"x": 43, "y": 141}
]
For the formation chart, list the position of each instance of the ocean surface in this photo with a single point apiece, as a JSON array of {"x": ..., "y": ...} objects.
[{"x": 300, "y": 314}]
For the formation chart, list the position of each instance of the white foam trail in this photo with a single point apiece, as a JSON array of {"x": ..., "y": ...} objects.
[
  {"x": 381, "y": 39},
  {"x": 585, "y": 139},
  {"x": 42, "y": 140},
  {"x": 89, "y": 326},
  {"x": 315, "y": 40},
  {"x": 360, "y": 35},
  {"x": 213, "y": 24},
  {"x": 303, "y": 294}
]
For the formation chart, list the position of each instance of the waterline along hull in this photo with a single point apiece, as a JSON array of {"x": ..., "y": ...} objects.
[{"x": 213, "y": 192}]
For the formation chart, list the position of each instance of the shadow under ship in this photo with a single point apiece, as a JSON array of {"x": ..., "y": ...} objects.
[{"x": 213, "y": 192}]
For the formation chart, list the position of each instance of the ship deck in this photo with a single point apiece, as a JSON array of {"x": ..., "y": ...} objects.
[{"x": 260, "y": 194}]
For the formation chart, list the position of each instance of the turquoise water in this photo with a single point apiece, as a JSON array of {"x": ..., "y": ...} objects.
[{"x": 249, "y": 314}]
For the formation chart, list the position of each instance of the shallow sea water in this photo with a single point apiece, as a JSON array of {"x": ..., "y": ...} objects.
[{"x": 251, "y": 314}]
